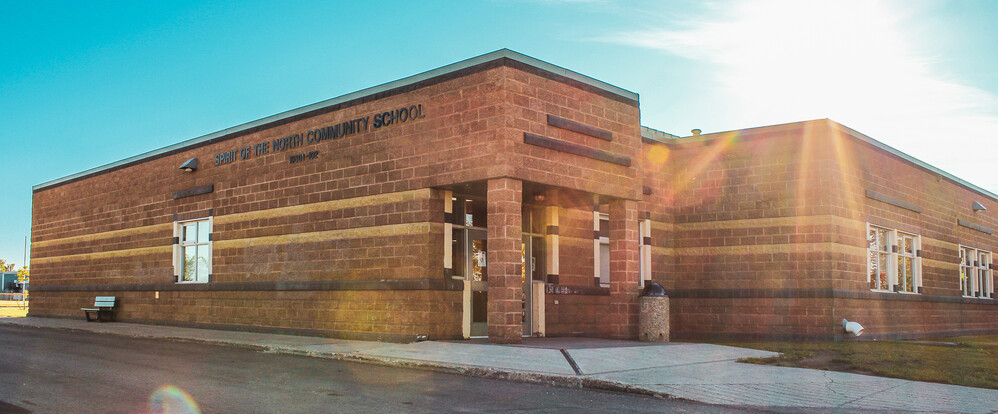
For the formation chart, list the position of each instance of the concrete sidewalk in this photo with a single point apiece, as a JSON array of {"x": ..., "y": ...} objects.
[{"x": 700, "y": 372}]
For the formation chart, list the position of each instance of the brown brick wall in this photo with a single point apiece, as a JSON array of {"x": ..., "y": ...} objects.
[
  {"x": 754, "y": 231},
  {"x": 580, "y": 315},
  {"x": 367, "y": 208},
  {"x": 789, "y": 318},
  {"x": 362, "y": 314},
  {"x": 768, "y": 225}
]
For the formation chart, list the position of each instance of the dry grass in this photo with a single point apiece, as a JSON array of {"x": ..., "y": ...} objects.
[{"x": 973, "y": 361}]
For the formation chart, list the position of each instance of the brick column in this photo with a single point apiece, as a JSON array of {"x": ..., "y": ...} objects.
[
  {"x": 505, "y": 261},
  {"x": 624, "y": 273}
]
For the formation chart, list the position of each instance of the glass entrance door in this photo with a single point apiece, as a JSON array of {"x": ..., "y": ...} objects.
[
  {"x": 533, "y": 269},
  {"x": 478, "y": 275},
  {"x": 528, "y": 259}
]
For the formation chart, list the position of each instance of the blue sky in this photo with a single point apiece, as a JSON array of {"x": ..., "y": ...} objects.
[{"x": 84, "y": 84}]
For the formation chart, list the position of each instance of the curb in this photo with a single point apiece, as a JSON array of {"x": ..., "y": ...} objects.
[{"x": 565, "y": 381}]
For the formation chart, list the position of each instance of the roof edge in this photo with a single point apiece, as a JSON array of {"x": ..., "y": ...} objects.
[
  {"x": 842, "y": 128},
  {"x": 656, "y": 135},
  {"x": 900, "y": 154},
  {"x": 419, "y": 77}
]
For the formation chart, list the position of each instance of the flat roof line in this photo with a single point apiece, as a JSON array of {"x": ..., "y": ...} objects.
[
  {"x": 909, "y": 158},
  {"x": 849, "y": 131},
  {"x": 656, "y": 135},
  {"x": 433, "y": 73}
]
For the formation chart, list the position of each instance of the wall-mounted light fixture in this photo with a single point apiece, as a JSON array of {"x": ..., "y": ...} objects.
[
  {"x": 190, "y": 165},
  {"x": 978, "y": 207}
]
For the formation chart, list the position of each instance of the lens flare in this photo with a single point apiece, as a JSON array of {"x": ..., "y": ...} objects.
[
  {"x": 172, "y": 400},
  {"x": 701, "y": 179},
  {"x": 658, "y": 155}
]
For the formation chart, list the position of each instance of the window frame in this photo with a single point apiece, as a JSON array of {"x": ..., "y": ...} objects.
[
  {"x": 975, "y": 271},
  {"x": 893, "y": 253},
  {"x": 179, "y": 258},
  {"x": 604, "y": 242},
  {"x": 916, "y": 267}
]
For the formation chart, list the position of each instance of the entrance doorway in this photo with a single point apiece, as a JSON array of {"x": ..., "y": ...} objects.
[
  {"x": 534, "y": 260},
  {"x": 532, "y": 255},
  {"x": 477, "y": 248},
  {"x": 470, "y": 260}
]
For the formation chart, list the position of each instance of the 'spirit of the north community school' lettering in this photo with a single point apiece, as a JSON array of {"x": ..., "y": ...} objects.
[{"x": 314, "y": 136}]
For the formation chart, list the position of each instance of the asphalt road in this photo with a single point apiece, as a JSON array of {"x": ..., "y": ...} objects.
[{"x": 55, "y": 371}]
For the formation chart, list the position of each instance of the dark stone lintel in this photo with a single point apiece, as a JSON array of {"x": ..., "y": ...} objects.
[
  {"x": 893, "y": 201},
  {"x": 190, "y": 192},
  {"x": 974, "y": 226},
  {"x": 563, "y": 146},
  {"x": 559, "y": 122}
]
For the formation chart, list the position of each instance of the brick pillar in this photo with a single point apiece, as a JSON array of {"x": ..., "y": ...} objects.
[
  {"x": 624, "y": 272},
  {"x": 505, "y": 261}
]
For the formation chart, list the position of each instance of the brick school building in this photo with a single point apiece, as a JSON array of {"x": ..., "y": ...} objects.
[{"x": 502, "y": 197}]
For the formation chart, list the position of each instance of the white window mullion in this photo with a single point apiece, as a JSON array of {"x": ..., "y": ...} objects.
[{"x": 193, "y": 257}]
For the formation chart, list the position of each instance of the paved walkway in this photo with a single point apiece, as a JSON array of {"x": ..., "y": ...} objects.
[{"x": 700, "y": 372}]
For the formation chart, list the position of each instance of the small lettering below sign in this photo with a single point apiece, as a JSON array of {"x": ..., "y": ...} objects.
[{"x": 303, "y": 156}]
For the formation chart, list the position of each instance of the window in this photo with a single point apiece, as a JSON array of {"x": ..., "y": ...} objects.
[
  {"x": 975, "y": 273},
  {"x": 906, "y": 263},
  {"x": 893, "y": 262},
  {"x": 194, "y": 255},
  {"x": 604, "y": 249}
]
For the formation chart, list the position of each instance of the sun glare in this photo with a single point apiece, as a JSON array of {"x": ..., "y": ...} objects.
[{"x": 856, "y": 62}]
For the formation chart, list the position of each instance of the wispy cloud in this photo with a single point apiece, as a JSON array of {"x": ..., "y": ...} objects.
[{"x": 781, "y": 61}]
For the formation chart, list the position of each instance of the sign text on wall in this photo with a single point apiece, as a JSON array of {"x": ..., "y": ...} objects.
[{"x": 313, "y": 136}]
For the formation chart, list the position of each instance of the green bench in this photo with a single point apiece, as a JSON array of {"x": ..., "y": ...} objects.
[{"x": 103, "y": 309}]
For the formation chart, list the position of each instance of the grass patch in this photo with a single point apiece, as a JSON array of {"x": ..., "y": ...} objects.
[{"x": 972, "y": 362}]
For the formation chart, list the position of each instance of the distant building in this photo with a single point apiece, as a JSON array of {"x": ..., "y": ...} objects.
[{"x": 503, "y": 196}]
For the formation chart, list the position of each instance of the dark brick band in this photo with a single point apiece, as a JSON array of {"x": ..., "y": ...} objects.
[
  {"x": 196, "y": 191},
  {"x": 563, "y": 146},
  {"x": 358, "y": 336},
  {"x": 559, "y": 122},
  {"x": 893, "y": 201},
  {"x": 823, "y": 293},
  {"x": 383, "y": 284},
  {"x": 974, "y": 226}
]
